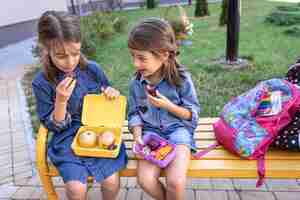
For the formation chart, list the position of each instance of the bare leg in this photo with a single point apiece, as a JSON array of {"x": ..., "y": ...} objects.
[
  {"x": 148, "y": 175},
  {"x": 110, "y": 187},
  {"x": 179, "y": 166},
  {"x": 76, "y": 190}
]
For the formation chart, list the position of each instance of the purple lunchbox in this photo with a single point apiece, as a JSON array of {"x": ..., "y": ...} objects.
[{"x": 155, "y": 142}]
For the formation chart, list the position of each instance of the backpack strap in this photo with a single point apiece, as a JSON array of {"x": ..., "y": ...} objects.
[
  {"x": 261, "y": 170},
  {"x": 200, "y": 154}
]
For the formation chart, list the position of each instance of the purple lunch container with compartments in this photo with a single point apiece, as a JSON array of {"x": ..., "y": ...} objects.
[{"x": 151, "y": 142}]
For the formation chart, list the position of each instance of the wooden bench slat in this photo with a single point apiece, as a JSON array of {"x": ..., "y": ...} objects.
[
  {"x": 200, "y": 128},
  {"x": 224, "y": 169},
  {"x": 230, "y": 169},
  {"x": 198, "y": 135},
  {"x": 221, "y": 154},
  {"x": 202, "y": 121}
]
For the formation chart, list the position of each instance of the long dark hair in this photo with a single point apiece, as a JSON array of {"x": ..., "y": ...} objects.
[
  {"x": 156, "y": 36},
  {"x": 54, "y": 28}
]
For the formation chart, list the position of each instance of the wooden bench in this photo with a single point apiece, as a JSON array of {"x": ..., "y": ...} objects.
[{"x": 216, "y": 164}]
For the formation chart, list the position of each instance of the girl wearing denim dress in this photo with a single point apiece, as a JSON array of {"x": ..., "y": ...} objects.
[
  {"x": 59, "y": 90},
  {"x": 171, "y": 111}
]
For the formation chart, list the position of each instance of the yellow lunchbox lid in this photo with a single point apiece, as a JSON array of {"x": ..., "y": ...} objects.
[{"x": 100, "y": 111}]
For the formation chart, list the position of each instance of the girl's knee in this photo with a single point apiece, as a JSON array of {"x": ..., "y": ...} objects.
[
  {"x": 111, "y": 183},
  {"x": 75, "y": 190},
  {"x": 176, "y": 183},
  {"x": 145, "y": 180}
]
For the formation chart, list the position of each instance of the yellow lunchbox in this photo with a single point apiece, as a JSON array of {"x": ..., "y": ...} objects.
[{"x": 100, "y": 115}]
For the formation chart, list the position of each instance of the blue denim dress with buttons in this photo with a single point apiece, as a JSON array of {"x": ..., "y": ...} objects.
[{"x": 160, "y": 121}]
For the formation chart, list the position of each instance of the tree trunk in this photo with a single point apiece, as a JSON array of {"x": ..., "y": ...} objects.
[
  {"x": 233, "y": 29},
  {"x": 224, "y": 13},
  {"x": 201, "y": 8},
  {"x": 73, "y": 7},
  {"x": 150, "y": 4}
]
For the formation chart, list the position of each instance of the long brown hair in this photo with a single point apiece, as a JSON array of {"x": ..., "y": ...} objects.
[
  {"x": 156, "y": 36},
  {"x": 54, "y": 28}
]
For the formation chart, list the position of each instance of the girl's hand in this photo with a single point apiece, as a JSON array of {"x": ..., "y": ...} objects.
[
  {"x": 160, "y": 101},
  {"x": 137, "y": 141},
  {"x": 64, "y": 89},
  {"x": 110, "y": 93}
]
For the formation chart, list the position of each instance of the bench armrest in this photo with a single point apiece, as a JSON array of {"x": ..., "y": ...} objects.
[{"x": 41, "y": 150}]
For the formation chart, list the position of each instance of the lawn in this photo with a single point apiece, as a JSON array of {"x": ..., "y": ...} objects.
[{"x": 270, "y": 50}]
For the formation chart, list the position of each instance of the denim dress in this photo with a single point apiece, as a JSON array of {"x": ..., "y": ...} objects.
[
  {"x": 71, "y": 166},
  {"x": 160, "y": 121}
]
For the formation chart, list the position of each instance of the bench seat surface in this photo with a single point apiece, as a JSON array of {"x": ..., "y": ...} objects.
[{"x": 219, "y": 163}]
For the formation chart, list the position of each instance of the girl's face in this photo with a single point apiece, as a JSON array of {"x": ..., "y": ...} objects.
[
  {"x": 148, "y": 64},
  {"x": 66, "y": 56}
]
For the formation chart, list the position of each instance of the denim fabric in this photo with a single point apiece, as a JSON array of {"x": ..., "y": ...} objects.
[
  {"x": 177, "y": 136},
  {"x": 70, "y": 166},
  {"x": 142, "y": 113}
]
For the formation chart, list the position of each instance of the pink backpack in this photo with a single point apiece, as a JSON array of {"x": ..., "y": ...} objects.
[{"x": 244, "y": 132}]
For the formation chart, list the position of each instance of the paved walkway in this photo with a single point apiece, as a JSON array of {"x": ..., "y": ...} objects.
[{"x": 18, "y": 179}]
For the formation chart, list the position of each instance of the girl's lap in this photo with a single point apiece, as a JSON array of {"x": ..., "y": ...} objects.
[
  {"x": 178, "y": 166},
  {"x": 99, "y": 168},
  {"x": 178, "y": 136}
]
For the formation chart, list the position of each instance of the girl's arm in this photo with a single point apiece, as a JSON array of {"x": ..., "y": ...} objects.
[
  {"x": 135, "y": 122},
  {"x": 63, "y": 92},
  {"x": 60, "y": 111},
  {"x": 50, "y": 110},
  {"x": 165, "y": 103},
  {"x": 188, "y": 109}
]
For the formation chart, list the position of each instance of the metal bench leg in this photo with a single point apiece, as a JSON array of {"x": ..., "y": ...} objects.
[{"x": 49, "y": 187}]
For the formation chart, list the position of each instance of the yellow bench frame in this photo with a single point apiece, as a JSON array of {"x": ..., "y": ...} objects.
[{"x": 218, "y": 163}]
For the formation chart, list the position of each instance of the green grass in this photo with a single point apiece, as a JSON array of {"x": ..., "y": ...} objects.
[{"x": 270, "y": 49}]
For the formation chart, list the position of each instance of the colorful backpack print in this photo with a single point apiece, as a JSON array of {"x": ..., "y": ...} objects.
[{"x": 241, "y": 128}]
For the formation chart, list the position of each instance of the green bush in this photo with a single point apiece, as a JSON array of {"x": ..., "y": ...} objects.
[
  {"x": 288, "y": 8},
  {"x": 31, "y": 102},
  {"x": 36, "y": 50},
  {"x": 283, "y": 18},
  {"x": 99, "y": 23},
  {"x": 101, "y": 26},
  {"x": 201, "y": 8},
  {"x": 88, "y": 46},
  {"x": 293, "y": 31},
  {"x": 120, "y": 24}
]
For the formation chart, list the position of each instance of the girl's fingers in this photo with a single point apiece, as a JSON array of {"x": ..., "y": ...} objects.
[
  {"x": 153, "y": 100},
  {"x": 71, "y": 86},
  {"x": 140, "y": 140},
  {"x": 159, "y": 94},
  {"x": 106, "y": 92},
  {"x": 116, "y": 93},
  {"x": 150, "y": 97},
  {"x": 65, "y": 82},
  {"x": 111, "y": 93}
]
